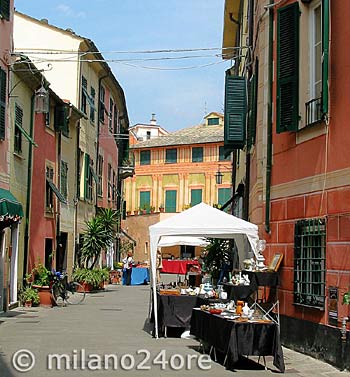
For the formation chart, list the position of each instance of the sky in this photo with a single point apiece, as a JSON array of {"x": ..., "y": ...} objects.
[{"x": 179, "y": 91}]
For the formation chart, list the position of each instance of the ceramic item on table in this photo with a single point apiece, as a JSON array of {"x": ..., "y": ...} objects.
[
  {"x": 245, "y": 310},
  {"x": 223, "y": 295},
  {"x": 239, "y": 307}
]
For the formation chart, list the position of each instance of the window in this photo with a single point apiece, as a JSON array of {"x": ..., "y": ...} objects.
[
  {"x": 114, "y": 187},
  {"x": 187, "y": 251},
  {"x": 148, "y": 135},
  {"x": 171, "y": 156},
  {"x": 102, "y": 104},
  {"x": 64, "y": 179},
  {"x": 145, "y": 200},
  {"x": 288, "y": 68},
  {"x": 18, "y": 129},
  {"x": 222, "y": 154},
  {"x": 196, "y": 196},
  {"x": 110, "y": 117},
  {"x": 310, "y": 262},
  {"x": 213, "y": 121},
  {"x": 48, "y": 190},
  {"x": 83, "y": 95},
  {"x": 116, "y": 121},
  {"x": 170, "y": 200},
  {"x": 110, "y": 183},
  {"x": 92, "y": 106},
  {"x": 5, "y": 9},
  {"x": 224, "y": 194},
  {"x": 145, "y": 157},
  {"x": 313, "y": 107},
  {"x": 197, "y": 154},
  {"x": 88, "y": 177},
  {"x": 3, "y": 87},
  {"x": 100, "y": 174}
]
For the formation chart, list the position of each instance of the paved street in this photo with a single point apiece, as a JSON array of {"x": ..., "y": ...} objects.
[{"x": 114, "y": 322}]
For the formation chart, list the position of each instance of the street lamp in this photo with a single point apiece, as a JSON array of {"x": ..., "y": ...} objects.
[
  {"x": 218, "y": 176},
  {"x": 41, "y": 100}
]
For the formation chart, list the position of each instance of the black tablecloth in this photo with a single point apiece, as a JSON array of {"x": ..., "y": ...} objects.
[
  {"x": 238, "y": 292},
  {"x": 262, "y": 279},
  {"x": 176, "y": 311},
  {"x": 238, "y": 338}
]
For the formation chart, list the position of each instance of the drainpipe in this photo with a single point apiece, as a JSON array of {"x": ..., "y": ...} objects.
[
  {"x": 343, "y": 341},
  {"x": 29, "y": 189},
  {"x": 269, "y": 126},
  {"x": 77, "y": 194}
]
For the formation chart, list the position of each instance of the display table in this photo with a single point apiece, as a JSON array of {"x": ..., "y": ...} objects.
[
  {"x": 176, "y": 311},
  {"x": 235, "y": 339},
  {"x": 175, "y": 266},
  {"x": 139, "y": 275}
]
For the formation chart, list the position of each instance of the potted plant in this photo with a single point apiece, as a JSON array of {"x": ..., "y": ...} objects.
[
  {"x": 104, "y": 276},
  {"x": 41, "y": 279},
  {"x": 161, "y": 208},
  {"x": 29, "y": 296},
  {"x": 152, "y": 209},
  {"x": 144, "y": 209},
  {"x": 89, "y": 279}
]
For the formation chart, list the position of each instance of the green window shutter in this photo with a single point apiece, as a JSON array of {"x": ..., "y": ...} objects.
[
  {"x": 64, "y": 179},
  {"x": 235, "y": 112},
  {"x": 145, "y": 157},
  {"x": 197, "y": 154},
  {"x": 223, "y": 156},
  {"x": 171, "y": 156},
  {"x": 252, "y": 106},
  {"x": 325, "y": 58},
  {"x": 5, "y": 9},
  {"x": 170, "y": 200},
  {"x": 86, "y": 175},
  {"x": 145, "y": 200},
  {"x": 224, "y": 194},
  {"x": 2, "y": 104},
  {"x": 288, "y": 68},
  {"x": 61, "y": 121},
  {"x": 196, "y": 196}
]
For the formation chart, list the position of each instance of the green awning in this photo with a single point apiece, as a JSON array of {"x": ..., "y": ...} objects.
[
  {"x": 56, "y": 191},
  {"x": 9, "y": 205}
]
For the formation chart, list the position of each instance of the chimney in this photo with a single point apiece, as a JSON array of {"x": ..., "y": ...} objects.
[
  {"x": 153, "y": 121},
  {"x": 45, "y": 21}
]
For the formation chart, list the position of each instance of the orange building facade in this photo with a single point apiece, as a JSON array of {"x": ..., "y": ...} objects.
[{"x": 173, "y": 172}]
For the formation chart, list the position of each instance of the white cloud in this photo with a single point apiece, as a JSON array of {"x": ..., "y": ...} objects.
[{"x": 69, "y": 12}]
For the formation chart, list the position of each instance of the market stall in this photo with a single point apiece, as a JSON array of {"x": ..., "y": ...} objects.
[
  {"x": 235, "y": 338},
  {"x": 201, "y": 220}
]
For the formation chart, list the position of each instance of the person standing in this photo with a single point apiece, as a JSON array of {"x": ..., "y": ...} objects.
[
  {"x": 128, "y": 262},
  {"x": 159, "y": 264}
]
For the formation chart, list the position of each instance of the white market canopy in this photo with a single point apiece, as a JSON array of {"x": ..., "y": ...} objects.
[
  {"x": 182, "y": 240},
  {"x": 201, "y": 220}
]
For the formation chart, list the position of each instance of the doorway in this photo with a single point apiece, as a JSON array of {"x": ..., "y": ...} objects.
[{"x": 61, "y": 254}]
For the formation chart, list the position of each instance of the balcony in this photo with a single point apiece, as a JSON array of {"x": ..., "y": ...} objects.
[{"x": 313, "y": 112}]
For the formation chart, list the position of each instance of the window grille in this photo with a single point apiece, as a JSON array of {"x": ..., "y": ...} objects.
[{"x": 310, "y": 263}]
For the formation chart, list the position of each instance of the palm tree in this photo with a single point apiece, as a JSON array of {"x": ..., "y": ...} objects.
[{"x": 99, "y": 234}]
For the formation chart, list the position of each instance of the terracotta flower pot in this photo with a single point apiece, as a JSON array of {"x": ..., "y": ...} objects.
[
  {"x": 44, "y": 295},
  {"x": 87, "y": 287},
  {"x": 28, "y": 304}
]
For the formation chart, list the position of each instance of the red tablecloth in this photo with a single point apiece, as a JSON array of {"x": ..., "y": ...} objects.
[{"x": 178, "y": 266}]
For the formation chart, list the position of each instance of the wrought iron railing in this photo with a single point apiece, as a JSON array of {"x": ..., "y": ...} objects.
[{"x": 313, "y": 111}]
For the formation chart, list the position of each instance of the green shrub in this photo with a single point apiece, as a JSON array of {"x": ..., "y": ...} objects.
[{"x": 29, "y": 294}]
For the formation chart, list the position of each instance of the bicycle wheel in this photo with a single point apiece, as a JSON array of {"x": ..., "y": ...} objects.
[
  {"x": 75, "y": 293},
  {"x": 56, "y": 294}
]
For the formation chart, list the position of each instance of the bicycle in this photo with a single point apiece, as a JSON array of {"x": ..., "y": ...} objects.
[{"x": 64, "y": 292}]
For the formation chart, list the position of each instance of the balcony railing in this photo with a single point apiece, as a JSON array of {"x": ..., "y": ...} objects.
[{"x": 313, "y": 111}]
